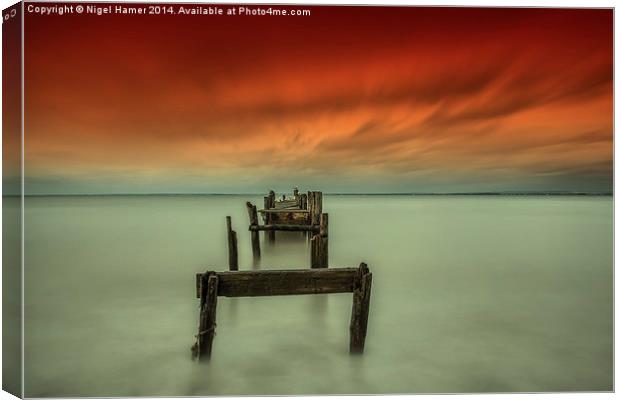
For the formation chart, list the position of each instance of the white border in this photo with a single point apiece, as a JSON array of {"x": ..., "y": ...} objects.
[{"x": 481, "y": 3}]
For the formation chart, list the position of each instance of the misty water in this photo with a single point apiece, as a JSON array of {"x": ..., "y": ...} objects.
[{"x": 470, "y": 294}]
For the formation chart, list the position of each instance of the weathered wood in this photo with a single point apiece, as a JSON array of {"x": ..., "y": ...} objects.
[
  {"x": 271, "y": 236},
  {"x": 286, "y": 205},
  {"x": 253, "y": 215},
  {"x": 284, "y": 282},
  {"x": 272, "y": 199},
  {"x": 284, "y": 211},
  {"x": 208, "y": 307},
  {"x": 323, "y": 224},
  {"x": 281, "y": 227},
  {"x": 360, "y": 310},
  {"x": 303, "y": 201},
  {"x": 233, "y": 257},
  {"x": 319, "y": 251},
  {"x": 315, "y": 206}
]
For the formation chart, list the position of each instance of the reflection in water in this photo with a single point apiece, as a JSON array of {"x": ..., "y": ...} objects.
[{"x": 469, "y": 294}]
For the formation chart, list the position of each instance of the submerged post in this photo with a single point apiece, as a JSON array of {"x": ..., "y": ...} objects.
[
  {"x": 206, "y": 326},
  {"x": 253, "y": 214},
  {"x": 361, "y": 307},
  {"x": 233, "y": 257}
]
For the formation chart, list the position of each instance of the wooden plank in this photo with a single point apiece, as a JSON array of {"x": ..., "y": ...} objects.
[
  {"x": 360, "y": 310},
  {"x": 285, "y": 202},
  {"x": 286, "y": 282},
  {"x": 284, "y": 227},
  {"x": 283, "y": 210}
]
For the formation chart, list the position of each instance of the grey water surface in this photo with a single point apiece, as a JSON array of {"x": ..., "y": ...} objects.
[{"x": 470, "y": 294}]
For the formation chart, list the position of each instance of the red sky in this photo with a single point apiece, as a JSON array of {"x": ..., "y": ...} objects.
[{"x": 351, "y": 99}]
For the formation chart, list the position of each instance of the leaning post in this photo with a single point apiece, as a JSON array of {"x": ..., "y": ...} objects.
[
  {"x": 360, "y": 309},
  {"x": 208, "y": 306}
]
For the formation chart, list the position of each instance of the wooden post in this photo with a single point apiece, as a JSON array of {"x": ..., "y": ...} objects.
[
  {"x": 269, "y": 204},
  {"x": 316, "y": 207},
  {"x": 324, "y": 255},
  {"x": 233, "y": 257},
  {"x": 287, "y": 282},
  {"x": 208, "y": 306},
  {"x": 309, "y": 206},
  {"x": 359, "y": 312},
  {"x": 252, "y": 213},
  {"x": 319, "y": 245},
  {"x": 272, "y": 199},
  {"x": 323, "y": 223},
  {"x": 303, "y": 201}
]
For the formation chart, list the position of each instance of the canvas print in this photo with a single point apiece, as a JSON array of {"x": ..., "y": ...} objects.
[{"x": 264, "y": 199}]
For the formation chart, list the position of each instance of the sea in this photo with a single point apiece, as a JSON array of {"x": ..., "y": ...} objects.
[{"x": 470, "y": 294}]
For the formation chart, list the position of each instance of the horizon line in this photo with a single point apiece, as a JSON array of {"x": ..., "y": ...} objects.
[{"x": 480, "y": 193}]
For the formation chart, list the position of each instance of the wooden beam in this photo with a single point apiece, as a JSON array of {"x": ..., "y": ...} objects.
[
  {"x": 283, "y": 210},
  {"x": 285, "y": 282},
  {"x": 281, "y": 227}
]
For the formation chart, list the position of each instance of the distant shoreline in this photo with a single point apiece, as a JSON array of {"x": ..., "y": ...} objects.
[{"x": 507, "y": 194}]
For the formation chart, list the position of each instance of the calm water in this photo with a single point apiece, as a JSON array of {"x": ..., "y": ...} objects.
[{"x": 470, "y": 294}]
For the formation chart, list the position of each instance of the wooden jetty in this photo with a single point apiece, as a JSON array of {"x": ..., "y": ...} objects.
[
  {"x": 301, "y": 213},
  {"x": 300, "y": 210},
  {"x": 211, "y": 284}
]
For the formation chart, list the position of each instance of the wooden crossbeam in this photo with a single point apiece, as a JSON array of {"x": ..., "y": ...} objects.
[
  {"x": 212, "y": 284},
  {"x": 282, "y": 227},
  {"x": 282, "y": 282},
  {"x": 283, "y": 210}
]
